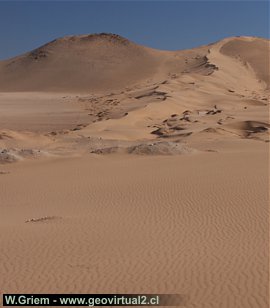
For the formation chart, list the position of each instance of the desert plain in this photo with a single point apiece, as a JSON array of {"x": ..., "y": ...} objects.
[{"x": 125, "y": 169}]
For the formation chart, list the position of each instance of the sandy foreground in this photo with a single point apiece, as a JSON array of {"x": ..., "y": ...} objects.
[
  {"x": 150, "y": 182},
  {"x": 195, "y": 225}
]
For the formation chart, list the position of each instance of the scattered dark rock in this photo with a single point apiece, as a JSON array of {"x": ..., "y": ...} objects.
[{"x": 42, "y": 219}]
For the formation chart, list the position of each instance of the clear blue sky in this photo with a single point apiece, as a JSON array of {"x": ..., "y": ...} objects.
[{"x": 25, "y": 25}]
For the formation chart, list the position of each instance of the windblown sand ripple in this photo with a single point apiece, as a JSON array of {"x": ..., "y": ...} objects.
[{"x": 194, "y": 225}]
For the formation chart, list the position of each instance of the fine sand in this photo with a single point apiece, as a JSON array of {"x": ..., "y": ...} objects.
[{"x": 125, "y": 169}]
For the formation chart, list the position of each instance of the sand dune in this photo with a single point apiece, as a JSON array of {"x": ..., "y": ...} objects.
[
  {"x": 84, "y": 63},
  {"x": 251, "y": 51},
  {"x": 125, "y": 169},
  {"x": 78, "y": 63},
  {"x": 105, "y": 62}
]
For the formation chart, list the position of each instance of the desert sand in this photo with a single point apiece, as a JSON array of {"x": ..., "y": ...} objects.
[{"x": 125, "y": 169}]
